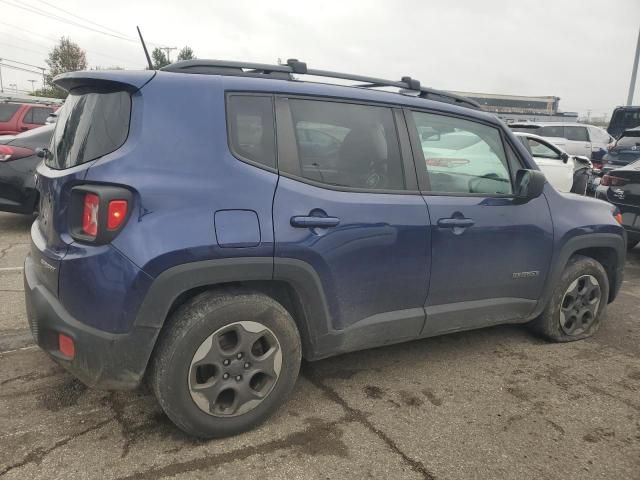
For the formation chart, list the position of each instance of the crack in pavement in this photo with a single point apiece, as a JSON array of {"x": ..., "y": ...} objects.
[
  {"x": 39, "y": 454},
  {"x": 359, "y": 416},
  {"x": 3, "y": 251},
  {"x": 318, "y": 437}
]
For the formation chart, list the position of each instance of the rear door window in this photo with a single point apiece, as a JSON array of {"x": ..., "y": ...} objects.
[
  {"x": 349, "y": 145},
  {"x": 90, "y": 125},
  {"x": 39, "y": 115},
  {"x": 7, "y": 110},
  {"x": 576, "y": 134},
  {"x": 551, "y": 131}
]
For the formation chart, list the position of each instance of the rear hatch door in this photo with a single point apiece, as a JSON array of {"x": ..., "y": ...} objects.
[{"x": 93, "y": 122}]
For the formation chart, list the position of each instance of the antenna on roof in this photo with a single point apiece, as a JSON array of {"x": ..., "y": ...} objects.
[{"x": 144, "y": 47}]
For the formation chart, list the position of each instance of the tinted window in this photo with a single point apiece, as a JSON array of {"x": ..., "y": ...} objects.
[
  {"x": 7, "y": 110},
  {"x": 89, "y": 126},
  {"x": 347, "y": 145},
  {"x": 28, "y": 118},
  {"x": 39, "y": 115},
  {"x": 463, "y": 157},
  {"x": 577, "y": 134},
  {"x": 551, "y": 131},
  {"x": 251, "y": 128}
]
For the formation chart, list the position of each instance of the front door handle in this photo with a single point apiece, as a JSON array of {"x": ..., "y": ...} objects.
[
  {"x": 455, "y": 222},
  {"x": 314, "y": 222}
]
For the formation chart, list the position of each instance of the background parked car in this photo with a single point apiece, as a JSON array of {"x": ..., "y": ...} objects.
[
  {"x": 622, "y": 188},
  {"x": 623, "y": 118},
  {"x": 574, "y": 138},
  {"x": 20, "y": 117},
  {"x": 565, "y": 172},
  {"x": 18, "y": 162},
  {"x": 626, "y": 150}
]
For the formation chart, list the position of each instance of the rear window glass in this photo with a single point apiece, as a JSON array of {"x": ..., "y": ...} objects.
[
  {"x": 90, "y": 125},
  {"x": 7, "y": 110},
  {"x": 629, "y": 141}
]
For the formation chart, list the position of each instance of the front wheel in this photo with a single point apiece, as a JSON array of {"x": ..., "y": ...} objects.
[
  {"x": 225, "y": 362},
  {"x": 578, "y": 303}
]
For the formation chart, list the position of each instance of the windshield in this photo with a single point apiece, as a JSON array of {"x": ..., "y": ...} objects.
[{"x": 89, "y": 126}]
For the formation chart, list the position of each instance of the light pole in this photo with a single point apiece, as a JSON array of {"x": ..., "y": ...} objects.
[{"x": 634, "y": 73}]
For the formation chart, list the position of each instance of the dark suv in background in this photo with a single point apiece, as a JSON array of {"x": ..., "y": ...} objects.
[{"x": 206, "y": 226}]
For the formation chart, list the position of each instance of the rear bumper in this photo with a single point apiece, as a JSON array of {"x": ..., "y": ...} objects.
[{"x": 102, "y": 360}]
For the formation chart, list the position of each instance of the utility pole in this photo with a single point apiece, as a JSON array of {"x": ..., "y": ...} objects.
[
  {"x": 168, "y": 51},
  {"x": 634, "y": 73},
  {"x": 32, "y": 85}
]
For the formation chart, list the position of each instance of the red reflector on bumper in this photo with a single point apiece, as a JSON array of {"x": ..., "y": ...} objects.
[{"x": 66, "y": 346}]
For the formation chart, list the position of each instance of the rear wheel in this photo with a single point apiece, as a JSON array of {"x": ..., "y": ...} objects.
[
  {"x": 225, "y": 362},
  {"x": 578, "y": 303}
]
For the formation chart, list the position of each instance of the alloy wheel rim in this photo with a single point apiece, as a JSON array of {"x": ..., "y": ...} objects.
[
  {"x": 235, "y": 369},
  {"x": 580, "y": 304}
]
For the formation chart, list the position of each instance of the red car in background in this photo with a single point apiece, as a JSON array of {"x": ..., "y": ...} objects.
[{"x": 18, "y": 117}]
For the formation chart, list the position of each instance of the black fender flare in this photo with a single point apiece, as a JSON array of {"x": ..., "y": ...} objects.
[
  {"x": 570, "y": 247},
  {"x": 299, "y": 275}
]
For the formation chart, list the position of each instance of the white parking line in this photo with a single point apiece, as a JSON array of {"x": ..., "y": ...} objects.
[
  {"x": 30, "y": 347},
  {"x": 11, "y": 269}
]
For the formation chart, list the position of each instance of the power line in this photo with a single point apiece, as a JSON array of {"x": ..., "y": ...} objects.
[
  {"x": 55, "y": 7},
  {"x": 19, "y": 68},
  {"x": 55, "y": 40},
  {"x": 65, "y": 20},
  {"x": 22, "y": 63},
  {"x": 59, "y": 18}
]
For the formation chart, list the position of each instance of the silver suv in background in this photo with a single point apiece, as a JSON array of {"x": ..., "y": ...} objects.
[{"x": 574, "y": 138}]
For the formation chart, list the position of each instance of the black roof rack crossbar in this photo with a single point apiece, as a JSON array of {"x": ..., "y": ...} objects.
[{"x": 297, "y": 67}]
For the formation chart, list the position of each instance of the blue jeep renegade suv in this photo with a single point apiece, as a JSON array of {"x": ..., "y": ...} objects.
[{"x": 206, "y": 226}]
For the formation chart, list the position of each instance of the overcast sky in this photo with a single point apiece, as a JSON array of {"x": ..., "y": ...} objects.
[{"x": 579, "y": 50}]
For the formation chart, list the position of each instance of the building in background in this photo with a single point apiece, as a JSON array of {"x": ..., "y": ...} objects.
[{"x": 516, "y": 108}]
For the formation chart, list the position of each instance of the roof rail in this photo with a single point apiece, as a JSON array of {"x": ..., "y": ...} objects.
[{"x": 406, "y": 85}]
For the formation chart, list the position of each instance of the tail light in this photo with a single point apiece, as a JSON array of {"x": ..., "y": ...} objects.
[
  {"x": 9, "y": 152},
  {"x": 596, "y": 165},
  {"x": 97, "y": 213},
  {"x": 611, "y": 181}
]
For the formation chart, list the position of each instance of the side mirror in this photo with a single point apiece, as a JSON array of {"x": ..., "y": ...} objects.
[
  {"x": 529, "y": 184},
  {"x": 564, "y": 157},
  {"x": 43, "y": 153}
]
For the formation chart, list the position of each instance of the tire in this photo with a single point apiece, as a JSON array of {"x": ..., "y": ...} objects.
[
  {"x": 555, "y": 323},
  {"x": 180, "y": 375},
  {"x": 631, "y": 244}
]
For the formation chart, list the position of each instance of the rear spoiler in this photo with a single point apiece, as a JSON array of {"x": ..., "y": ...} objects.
[{"x": 131, "y": 81}]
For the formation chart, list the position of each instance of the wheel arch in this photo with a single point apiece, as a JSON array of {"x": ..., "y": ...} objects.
[
  {"x": 292, "y": 283},
  {"x": 607, "y": 248}
]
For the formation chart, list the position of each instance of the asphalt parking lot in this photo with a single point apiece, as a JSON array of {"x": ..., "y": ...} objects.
[{"x": 493, "y": 403}]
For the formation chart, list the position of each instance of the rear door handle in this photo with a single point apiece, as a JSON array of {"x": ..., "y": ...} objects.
[
  {"x": 314, "y": 222},
  {"x": 455, "y": 222}
]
